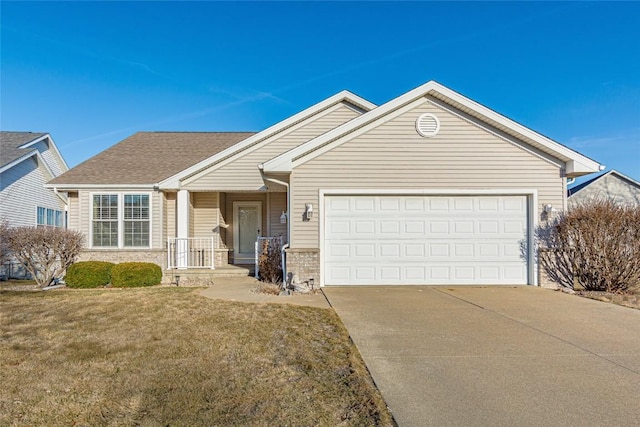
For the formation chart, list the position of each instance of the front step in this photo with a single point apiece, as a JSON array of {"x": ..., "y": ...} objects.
[{"x": 206, "y": 276}]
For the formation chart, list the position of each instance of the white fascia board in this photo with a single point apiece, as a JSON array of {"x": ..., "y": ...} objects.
[
  {"x": 575, "y": 168},
  {"x": 265, "y": 141},
  {"x": 623, "y": 176},
  {"x": 558, "y": 149},
  {"x": 18, "y": 160},
  {"x": 343, "y": 96},
  {"x": 586, "y": 165},
  {"x": 339, "y": 132},
  {"x": 40, "y": 161}
]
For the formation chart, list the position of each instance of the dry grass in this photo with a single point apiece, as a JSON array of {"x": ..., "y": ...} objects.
[
  {"x": 267, "y": 288},
  {"x": 166, "y": 356}
]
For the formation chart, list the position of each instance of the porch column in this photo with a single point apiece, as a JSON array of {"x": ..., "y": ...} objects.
[{"x": 182, "y": 229}]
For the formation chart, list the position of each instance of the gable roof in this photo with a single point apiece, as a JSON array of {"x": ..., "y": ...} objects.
[
  {"x": 612, "y": 172},
  {"x": 11, "y": 146},
  {"x": 575, "y": 163},
  {"x": 146, "y": 158},
  {"x": 341, "y": 97},
  {"x": 15, "y": 147}
]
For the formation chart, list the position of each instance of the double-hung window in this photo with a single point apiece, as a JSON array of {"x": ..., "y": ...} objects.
[{"x": 121, "y": 221}]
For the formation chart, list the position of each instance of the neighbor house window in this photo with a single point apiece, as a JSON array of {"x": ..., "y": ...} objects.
[
  {"x": 47, "y": 217},
  {"x": 121, "y": 220}
]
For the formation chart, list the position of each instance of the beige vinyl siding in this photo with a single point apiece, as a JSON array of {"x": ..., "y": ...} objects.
[
  {"x": 240, "y": 173},
  {"x": 277, "y": 205},
  {"x": 156, "y": 200},
  {"x": 170, "y": 214},
  {"x": 205, "y": 215},
  {"x": 73, "y": 215},
  {"x": 463, "y": 156}
]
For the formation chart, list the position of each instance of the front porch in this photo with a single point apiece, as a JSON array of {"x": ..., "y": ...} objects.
[{"x": 209, "y": 231}]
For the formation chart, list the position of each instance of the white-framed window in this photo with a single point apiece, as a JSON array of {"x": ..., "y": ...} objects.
[
  {"x": 121, "y": 220},
  {"x": 47, "y": 217}
]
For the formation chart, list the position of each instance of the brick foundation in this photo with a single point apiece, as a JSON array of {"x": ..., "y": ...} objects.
[
  {"x": 303, "y": 264},
  {"x": 155, "y": 256}
]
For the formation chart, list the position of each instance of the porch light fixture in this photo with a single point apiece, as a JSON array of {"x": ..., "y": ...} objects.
[
  {"x": 308, "y": 211},
  {"x": 548, "y": 208},
  {"x": 283, "y": 218}
]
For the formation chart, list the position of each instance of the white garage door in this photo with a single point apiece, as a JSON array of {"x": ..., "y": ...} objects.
[{"x": 390, "y": 240}]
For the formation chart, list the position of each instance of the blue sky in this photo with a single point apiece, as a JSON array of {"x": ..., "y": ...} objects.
[{"x": 93, "y": 73}]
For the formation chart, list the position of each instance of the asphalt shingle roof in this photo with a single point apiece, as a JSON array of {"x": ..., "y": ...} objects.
[
  {"x": 10, "y": 141},
  {"x": 150, "y": 157}
]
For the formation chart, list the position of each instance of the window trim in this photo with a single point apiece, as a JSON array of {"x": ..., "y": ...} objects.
[{"x": 120, "y": 195}]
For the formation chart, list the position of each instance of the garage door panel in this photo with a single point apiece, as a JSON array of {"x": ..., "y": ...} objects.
[{"x": 424, "y": 239}]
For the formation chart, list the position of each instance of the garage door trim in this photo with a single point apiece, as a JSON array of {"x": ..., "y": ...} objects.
[{"x": 532, "y": 214}]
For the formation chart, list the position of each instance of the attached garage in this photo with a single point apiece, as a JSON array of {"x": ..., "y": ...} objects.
[
  {"x": 430, "y": 188},
  {"x": 425, "y": 239}
]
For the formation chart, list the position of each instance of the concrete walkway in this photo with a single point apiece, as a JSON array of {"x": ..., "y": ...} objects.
[
  {"x": 496, "y": 356},
  {"x": 240, "y": 289}
]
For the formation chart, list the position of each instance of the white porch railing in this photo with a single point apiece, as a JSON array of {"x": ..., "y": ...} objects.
[
  {"x": 259, "y": 246},
  {"x": 190, "y": 252}
]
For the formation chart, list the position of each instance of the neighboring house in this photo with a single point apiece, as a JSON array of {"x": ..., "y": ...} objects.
[
  {"x": 610, "y": 185},
  {"x": 27, "y": 161},
  {"x": 428, "y": 188}
]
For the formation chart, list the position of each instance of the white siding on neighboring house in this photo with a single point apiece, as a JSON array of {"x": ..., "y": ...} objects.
[
  {"x": 22, "y": 191},
  {"x": 49, "y": 157},
  {"x": 462, "y": 156},
  {"x": 240, "y": 172}
]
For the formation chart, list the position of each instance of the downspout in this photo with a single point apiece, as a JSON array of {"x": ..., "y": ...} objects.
[{"x": 286, "y": 245}]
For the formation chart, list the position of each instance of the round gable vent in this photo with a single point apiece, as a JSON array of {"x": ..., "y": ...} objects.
[{"x": 427, "y": 125}]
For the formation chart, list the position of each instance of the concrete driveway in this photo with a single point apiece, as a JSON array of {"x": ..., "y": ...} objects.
[{"x": 494, "y": 356}]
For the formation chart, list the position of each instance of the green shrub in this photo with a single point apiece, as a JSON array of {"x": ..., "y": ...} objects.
[
  {"x": 89, "y": 274},
  {"x": 135, "y": 274}
]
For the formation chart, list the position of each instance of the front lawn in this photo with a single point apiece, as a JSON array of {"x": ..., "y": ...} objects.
[{"x": 167, "y": 356}]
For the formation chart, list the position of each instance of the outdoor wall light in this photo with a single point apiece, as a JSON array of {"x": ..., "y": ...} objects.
[
  {"x": 308, "y": 211},
  {"x": 283, "y": 218},
  {"x": 548, "y": 208}
]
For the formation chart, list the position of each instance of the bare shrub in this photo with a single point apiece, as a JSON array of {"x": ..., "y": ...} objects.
[
  {"x": 270, "y": 261},
  {"x": 595, "y": 245},
  {"x": 46, "y": 252},
  {"x": 4, "y": 249}
]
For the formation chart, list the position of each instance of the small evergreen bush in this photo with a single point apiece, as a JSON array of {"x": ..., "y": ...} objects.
[
  {"x": 89, "y": 274},
  {"x": 135, "y": 274}
]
